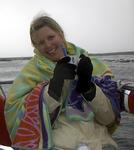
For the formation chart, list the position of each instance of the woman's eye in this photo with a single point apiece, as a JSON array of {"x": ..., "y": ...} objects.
[
  {"x": 40, "y": 43},
  {"x": 51, "y": 37}
]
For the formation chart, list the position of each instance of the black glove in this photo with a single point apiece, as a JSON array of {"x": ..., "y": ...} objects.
[
  {"x": 84, "y": 72},
  {"x": 63, "y": 70}
]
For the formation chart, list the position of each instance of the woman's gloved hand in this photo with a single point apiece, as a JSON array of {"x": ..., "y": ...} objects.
[
  {"x": 84, "y": 72},
  {"x": 63, "y": 70}
]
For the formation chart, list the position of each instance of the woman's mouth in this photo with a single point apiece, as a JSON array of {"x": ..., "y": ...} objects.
[{"x": 52, "y": 51}]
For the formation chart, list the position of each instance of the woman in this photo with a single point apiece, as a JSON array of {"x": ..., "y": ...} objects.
[{"x": 61, "y": 99}]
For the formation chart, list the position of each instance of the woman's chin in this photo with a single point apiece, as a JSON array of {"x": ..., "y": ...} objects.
[{"x": 54, "y": 58}]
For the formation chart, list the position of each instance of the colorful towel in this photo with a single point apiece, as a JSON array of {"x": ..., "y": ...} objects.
[
  {"x": 28, "y": 133},
  {"x": 38, "y": 69},
  {"x": 110, "y": 89},
  {"x": 76, "y": 107}
]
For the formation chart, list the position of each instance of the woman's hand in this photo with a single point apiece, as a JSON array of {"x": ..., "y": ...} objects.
[
  {"x": 63, "y": 70},
  {"x": 84, "y": 72},
  {"x": 84, "y": 84}
]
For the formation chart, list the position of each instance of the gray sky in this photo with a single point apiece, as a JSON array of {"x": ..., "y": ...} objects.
[{"x": 96, "y": 25}]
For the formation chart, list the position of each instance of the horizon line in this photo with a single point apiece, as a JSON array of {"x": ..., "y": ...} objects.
[{"x": 92, "y": 54}]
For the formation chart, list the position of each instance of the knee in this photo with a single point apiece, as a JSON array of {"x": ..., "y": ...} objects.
[{"x": 102, "y": 108}]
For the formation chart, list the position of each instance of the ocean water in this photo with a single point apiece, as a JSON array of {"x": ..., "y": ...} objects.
[{"x": 123, "y": 68}]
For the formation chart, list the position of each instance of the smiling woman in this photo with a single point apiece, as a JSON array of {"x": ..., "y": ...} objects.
[
  {"x": 49, "y": 42},
  {"x": 64, "y": 102},
  {"x": 57, "y": 102}
]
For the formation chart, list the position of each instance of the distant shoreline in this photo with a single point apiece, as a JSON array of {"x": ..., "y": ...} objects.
[
  {"x": 15, "y": 58},
  {"x": 92, "y": 54},
  {"x": 114, "y": 53}
]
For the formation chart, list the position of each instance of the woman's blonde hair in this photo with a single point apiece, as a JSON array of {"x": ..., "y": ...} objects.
[{"x": 42, "y": 21}]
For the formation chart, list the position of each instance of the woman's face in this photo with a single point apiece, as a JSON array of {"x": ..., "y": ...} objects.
[{"x": 49, "y": 43}]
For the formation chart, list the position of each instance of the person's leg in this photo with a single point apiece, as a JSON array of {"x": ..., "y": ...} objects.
[{"x": 102, "y": 108}]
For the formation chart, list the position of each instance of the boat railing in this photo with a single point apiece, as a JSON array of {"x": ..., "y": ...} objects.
[
  {"x": 6, "y": 82},
  {"x": 3, "y": 83}
]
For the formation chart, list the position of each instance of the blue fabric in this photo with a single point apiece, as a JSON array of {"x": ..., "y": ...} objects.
[
  {"x": 76, "y": 109},
  {"x": 110, "y": 89}
]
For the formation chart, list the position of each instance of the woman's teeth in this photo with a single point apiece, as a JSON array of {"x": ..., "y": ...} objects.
[{"x": 52, "y": 51}]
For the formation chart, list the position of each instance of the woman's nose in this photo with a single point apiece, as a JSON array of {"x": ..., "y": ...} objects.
[{"x": 47, "y": 44}]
